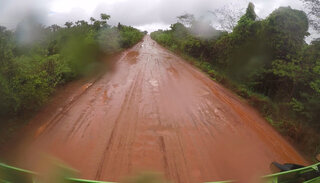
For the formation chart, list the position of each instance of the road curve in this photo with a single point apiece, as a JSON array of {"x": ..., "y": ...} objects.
[{"x": 156, "y": 112}]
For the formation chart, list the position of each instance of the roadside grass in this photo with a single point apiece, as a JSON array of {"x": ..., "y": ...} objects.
[{"x": 8, "y": 130}]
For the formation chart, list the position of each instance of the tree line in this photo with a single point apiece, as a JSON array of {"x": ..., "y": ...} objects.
[
  {"x": 35, "y": 59},
  {"x": 266, "y": 61}
]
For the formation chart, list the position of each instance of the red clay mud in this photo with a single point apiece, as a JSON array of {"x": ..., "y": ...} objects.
[{"x": 156, "y": 112}]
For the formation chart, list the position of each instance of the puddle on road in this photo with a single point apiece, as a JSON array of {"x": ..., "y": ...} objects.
[
  {"x": 168, "y": 57},
  {"x": 132, "y": 57}
]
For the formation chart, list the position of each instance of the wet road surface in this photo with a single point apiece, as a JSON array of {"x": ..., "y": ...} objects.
[{"x": 156, "y": 112}]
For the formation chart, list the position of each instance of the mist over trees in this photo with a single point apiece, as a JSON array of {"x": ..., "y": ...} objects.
[
  {"x": 266, "y": 61},
  {"x": 227, "y": 16}
]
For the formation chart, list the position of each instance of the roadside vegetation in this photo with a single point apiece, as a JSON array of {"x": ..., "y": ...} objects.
[
  {"x": 35, "y": 59},
  {"x": 265, "y": 61}
]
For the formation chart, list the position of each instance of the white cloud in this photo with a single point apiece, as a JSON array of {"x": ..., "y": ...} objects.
[
  {"x": 144, "y": 14},
  {"x": 66, "y": 6},
  {"x": 153, "y": 27},
  {"x": 13, "y": 11},
  {"x": 264, "y": 8}
]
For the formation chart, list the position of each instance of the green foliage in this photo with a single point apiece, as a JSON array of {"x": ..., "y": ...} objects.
[
  {"x": 104, "y": 16},
  {"x": 285, "y": 30},
  {"x": 30, "y": 72},
  {"x": 296, "y": 105},
  {"x": 183, "y": 39},
  {"x": 146, "y": 177},
  {"x": 265, "y": 61},
  {"x": 249, "y": 17},
  {"x": 250, "y": 13},
  {"x": 129, "y": 36},
  {"x": 109, "y": 40}
]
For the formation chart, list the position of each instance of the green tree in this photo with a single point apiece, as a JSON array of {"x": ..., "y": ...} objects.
[
  {"x": 285, "y": 30},
  {"x": 92, "y": 20},
  {"x": 104, "y": 17},
  {"x": 68, "y": 24}
]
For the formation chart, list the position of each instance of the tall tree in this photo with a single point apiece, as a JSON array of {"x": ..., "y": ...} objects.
[
  {"x": 92, "y": 20},
  {"x": 54, "y": 27},
  {"x": 104, "y": 17},
  {"x": 68, "y": 24}
]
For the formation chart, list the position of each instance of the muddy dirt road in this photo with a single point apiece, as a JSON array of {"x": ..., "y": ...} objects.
[{"x": 156, "y": 112}]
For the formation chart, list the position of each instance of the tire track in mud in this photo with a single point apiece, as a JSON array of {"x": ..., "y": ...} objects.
[
  {"x": 156, "y": 112},
  {"x": 125, "y": 107},
  {"x": 64, "y": 109}
]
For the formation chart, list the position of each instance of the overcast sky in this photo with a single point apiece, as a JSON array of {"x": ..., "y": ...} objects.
[{"x": 144, "y": 14}]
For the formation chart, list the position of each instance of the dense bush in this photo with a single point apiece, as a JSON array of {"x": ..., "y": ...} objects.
[
  {"x": 266, "y": 61},
  {"x": 30, "y": 69}
]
